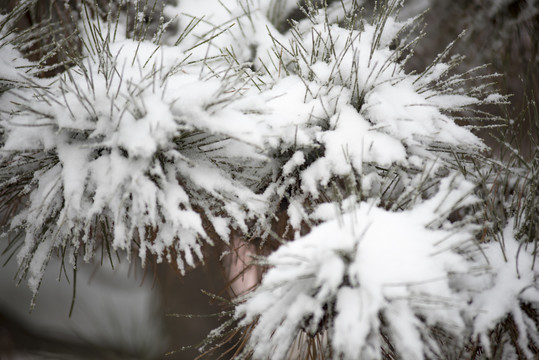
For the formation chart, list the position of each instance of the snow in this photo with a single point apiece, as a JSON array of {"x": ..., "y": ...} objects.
[
  {"x": 366, "y": 262},
  {"x": 511, "y": 281},
  {"x": 137, "y": 143},
  {"x": 179, "y": 146},
  {"x": 296, "y": 160}
]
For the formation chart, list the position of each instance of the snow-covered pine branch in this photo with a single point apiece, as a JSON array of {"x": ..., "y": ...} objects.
[
  {"x": 367, "y": 282},
  {"x": 158, "y": 128},
  {"x": 134, "y": 144},
  {"x": 363, "y": 133}
]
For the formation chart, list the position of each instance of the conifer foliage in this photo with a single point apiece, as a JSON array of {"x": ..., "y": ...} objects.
[{"x": 160, "y": 129}]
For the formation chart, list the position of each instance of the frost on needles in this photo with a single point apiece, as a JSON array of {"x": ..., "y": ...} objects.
[{"x": 162, "y": 141}]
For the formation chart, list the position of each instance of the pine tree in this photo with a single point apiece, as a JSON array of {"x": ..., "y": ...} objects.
[{"x": 374, "y": 223}]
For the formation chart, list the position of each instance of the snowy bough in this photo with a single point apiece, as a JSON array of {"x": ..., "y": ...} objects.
[
  {"x": 371, "y": 282},
  {"x": 160, "y": 138},
  {"x": 132, "y": 144}
]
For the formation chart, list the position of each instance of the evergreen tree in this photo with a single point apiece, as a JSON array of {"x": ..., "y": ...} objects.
[{"x": 378, "y": 225}]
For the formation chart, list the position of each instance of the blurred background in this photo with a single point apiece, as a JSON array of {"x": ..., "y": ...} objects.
[{"x": 120, "y": 313}]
